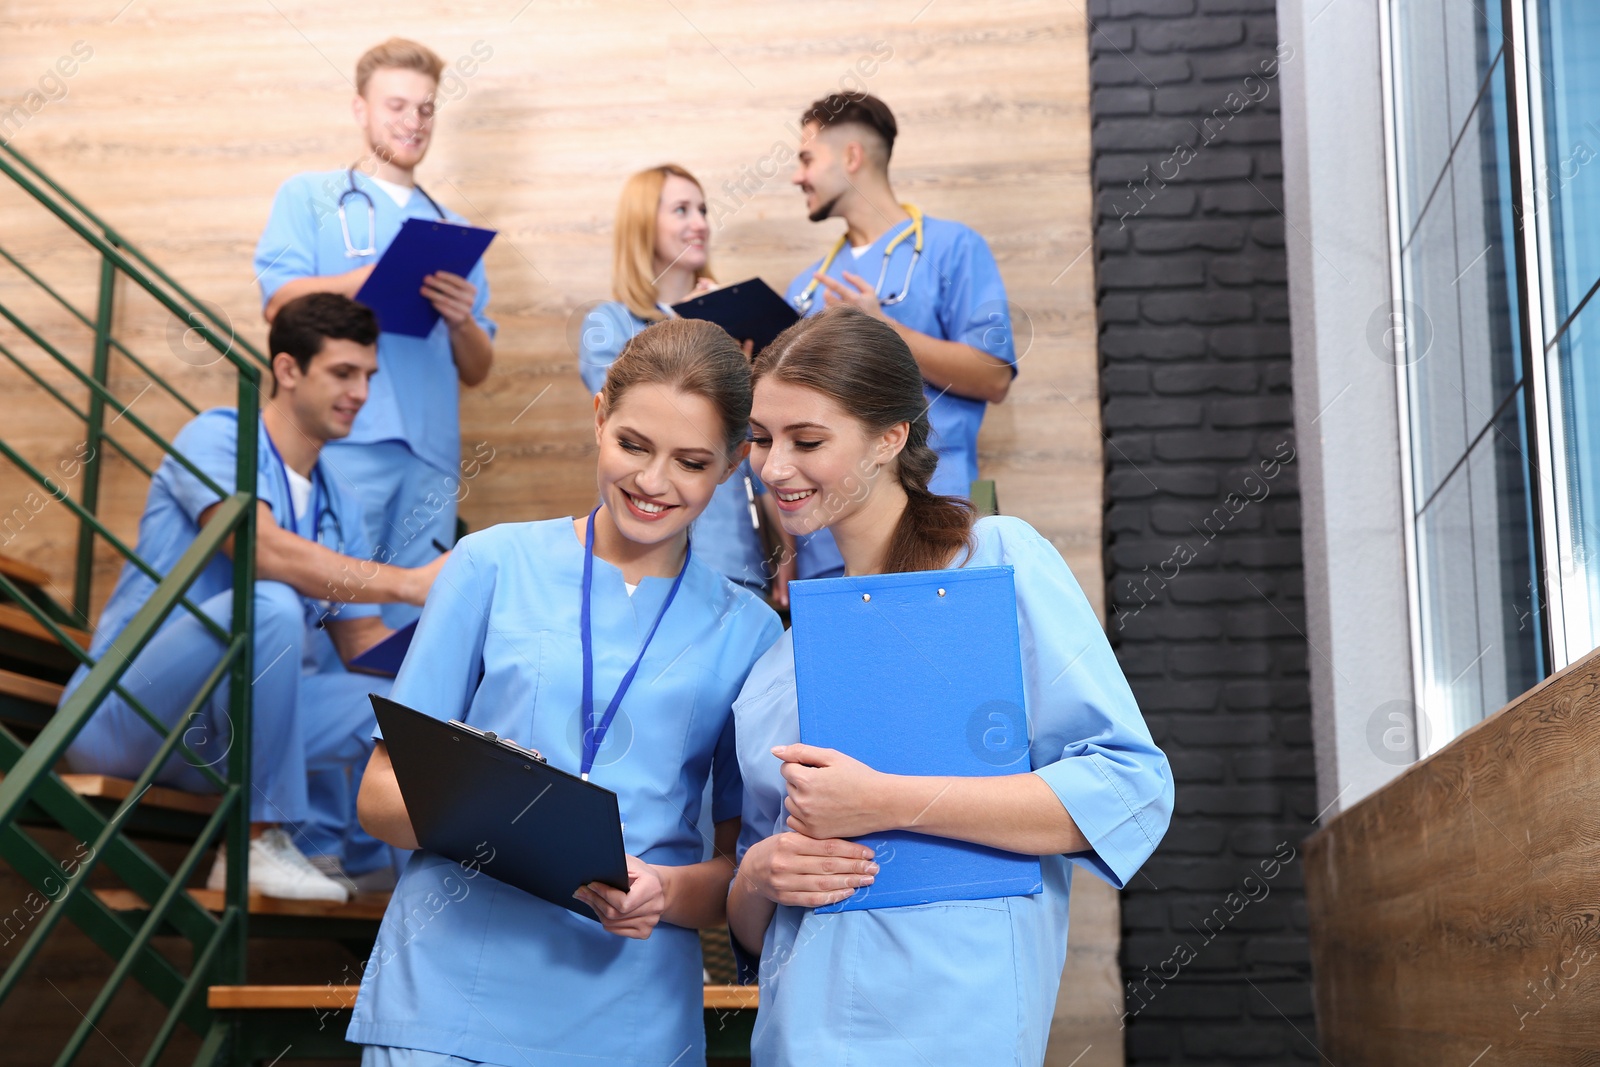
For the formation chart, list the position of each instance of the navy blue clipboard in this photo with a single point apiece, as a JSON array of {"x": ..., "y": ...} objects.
[
  {"x": 394, "y": 288},
  {"x": 486, "y": 801},
  {"x": 386, "y": 656},
  {"x": 918, "y": 673},
  {"x": 748, "y": 310}
]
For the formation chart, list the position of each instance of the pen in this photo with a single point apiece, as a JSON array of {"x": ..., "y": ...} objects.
[{"x": 750, "y": 495}]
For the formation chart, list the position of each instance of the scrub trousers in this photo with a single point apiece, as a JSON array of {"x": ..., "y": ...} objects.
[
  {"x": 301, "y": 722},
  {"x": 408, "y": 506}
]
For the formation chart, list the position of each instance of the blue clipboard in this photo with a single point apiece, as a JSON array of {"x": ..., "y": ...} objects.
[
  {"x": 394, "y": 288},
  {"x": 386, "y": 656},
  {"x": 918, "y": 673}
]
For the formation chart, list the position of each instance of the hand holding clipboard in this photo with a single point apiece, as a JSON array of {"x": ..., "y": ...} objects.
[
  {"x": 422, "y": 247},
  {"x": 748, "y": 310}
]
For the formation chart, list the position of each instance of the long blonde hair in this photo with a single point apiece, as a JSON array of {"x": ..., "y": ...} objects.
[{"x": 633, "y": 240}]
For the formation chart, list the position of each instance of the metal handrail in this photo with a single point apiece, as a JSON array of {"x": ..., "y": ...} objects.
[
  {"x": 127, "y": 353},
  {"x": 115, "y": 822},
  {"x": 30, "y": 786},
  {"x": 74, "y": 712},
  {"x": 55, "y": 394},
  {"x": 98, "y": 390},
  {"x": 111, "y": 237}
]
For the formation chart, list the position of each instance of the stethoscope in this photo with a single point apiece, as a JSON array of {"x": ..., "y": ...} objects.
[
  {"x": 319, "y": 509},
  {"x": 808, "y": 295},
  {"x": 350, "y": 249}
]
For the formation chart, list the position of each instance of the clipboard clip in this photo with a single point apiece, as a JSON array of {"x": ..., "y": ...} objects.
[{"x": 491, "y": 736}]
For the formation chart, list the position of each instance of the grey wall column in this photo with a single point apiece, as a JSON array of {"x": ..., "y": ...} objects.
[{"x": 1347, "y": 417}]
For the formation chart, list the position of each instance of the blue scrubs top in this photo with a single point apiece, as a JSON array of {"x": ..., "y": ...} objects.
[
  {"x": 415, "y": 397},
  {"x": 171, "y": 522},
  {"x": 966, "y": 981},
  {"x": 724, "y": 535},
  {"x": 468, "y": 966},
  {"x": 955, "y": 294}
]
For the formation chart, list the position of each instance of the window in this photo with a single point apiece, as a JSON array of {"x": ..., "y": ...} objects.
[
  {"x": 1471, "y": 489},
  {"x": 1565, "y": 188}
]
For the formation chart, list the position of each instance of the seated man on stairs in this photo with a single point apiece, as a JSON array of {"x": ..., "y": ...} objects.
[{"x": 316, "y": 597}]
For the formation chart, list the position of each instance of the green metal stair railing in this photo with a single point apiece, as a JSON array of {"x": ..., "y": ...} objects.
[{"x": 30, "y": 789}]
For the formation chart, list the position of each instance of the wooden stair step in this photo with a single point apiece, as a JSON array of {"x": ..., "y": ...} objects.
[
  {"x": 106, "y": 787},
  {"x": 268, "y": 997},
  {"x": 24, "y": 687},
  {"x": 15, "y": 568},
  {"x": 365, "y": 906},
  {"x": 22, "y": 622}
]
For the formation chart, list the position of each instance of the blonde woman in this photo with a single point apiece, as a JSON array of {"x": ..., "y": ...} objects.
[{"x": 661, "y": 256}]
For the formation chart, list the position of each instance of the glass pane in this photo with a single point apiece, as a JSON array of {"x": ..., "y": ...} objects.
[
  {"x": 1570, "y": 182},
  {"x": 1472, "y": 41},
  {"x": 1578, "y": 494},
  {"x": 1452, "y": 658},
  {"x": 1438, "y": 422},
  {"x": 1423, "y": 113},
  {"x": 1509, "y": 623},
  {"x": 1491, "y": 342}
]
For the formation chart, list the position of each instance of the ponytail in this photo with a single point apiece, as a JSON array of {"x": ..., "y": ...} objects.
[{"x": 868, "y": 370}]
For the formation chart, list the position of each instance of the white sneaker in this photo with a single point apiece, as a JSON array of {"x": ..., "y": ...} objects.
[
  {"x": 279, "y": 869},
  {"x": 332, "y": 868},
  {"x": 377, "y": 880}
]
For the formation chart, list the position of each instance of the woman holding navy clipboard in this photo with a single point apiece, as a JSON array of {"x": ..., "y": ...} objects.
[
  {"x": 661, "y": 257},
  {"x": 840, "y": 431},
  {"x": 606, "y": 644}
]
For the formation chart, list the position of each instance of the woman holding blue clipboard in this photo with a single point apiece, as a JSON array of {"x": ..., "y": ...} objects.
[
  {"x": 840, "y": 434},
  {"x": 606, "y": 644}
]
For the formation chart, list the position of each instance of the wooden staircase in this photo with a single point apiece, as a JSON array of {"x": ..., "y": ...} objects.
[{"x": 33, "y": 666}]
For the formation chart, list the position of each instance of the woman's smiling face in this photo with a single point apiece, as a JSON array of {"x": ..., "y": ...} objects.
[
  {"x": 660, "y": 460},
  {"x": 682, "y": 228},
  {"x": 817, "y": 459}
]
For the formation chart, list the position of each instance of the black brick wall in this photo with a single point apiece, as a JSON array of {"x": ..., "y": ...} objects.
[{"x": 1202, "y": 526}]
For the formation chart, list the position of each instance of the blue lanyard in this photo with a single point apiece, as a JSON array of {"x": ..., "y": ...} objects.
[
  {"x": 595, "y": 735},
  {"x": 288, "y": 493}
]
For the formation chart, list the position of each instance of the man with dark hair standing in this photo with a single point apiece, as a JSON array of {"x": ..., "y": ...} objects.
[
  {"x": 316, "y": 598},
  {"x": 934, "y": 281}
]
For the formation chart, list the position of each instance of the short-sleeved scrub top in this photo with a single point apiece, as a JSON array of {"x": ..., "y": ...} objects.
[
  {"x": 468, "y": 966},
  {"x": 971, "y": 981}
]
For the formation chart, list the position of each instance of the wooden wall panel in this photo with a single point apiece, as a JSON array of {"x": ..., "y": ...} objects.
[
  {"x": 1454, "y": 912},
  {"x": 186, "y": 117},
  {"x": 188, "y": 114}
]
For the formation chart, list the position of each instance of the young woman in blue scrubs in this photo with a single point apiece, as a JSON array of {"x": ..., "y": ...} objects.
[
  {"x": 840, "y": 435},
  {"x": 660, "y": 257},
  {"x": 468, "y": 967}
]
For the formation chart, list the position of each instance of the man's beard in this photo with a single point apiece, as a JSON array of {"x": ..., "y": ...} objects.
[{"x": 826, "y": 210}]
